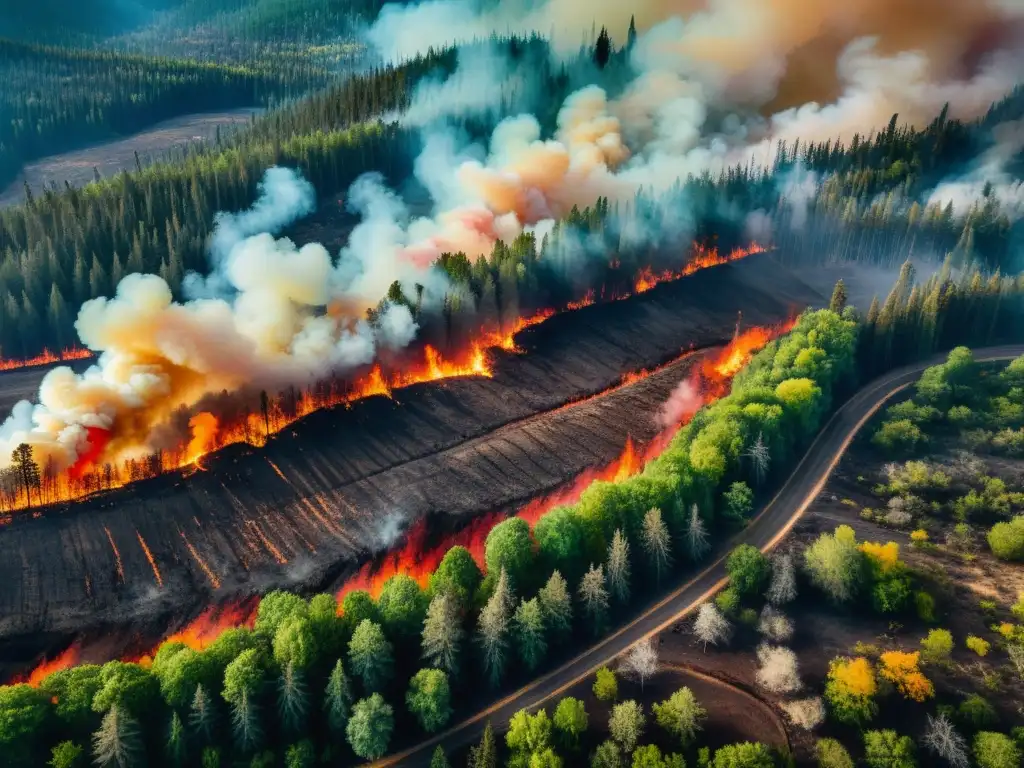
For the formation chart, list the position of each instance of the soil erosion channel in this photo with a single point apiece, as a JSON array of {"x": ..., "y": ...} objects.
[{"x": 339, "y": 485}]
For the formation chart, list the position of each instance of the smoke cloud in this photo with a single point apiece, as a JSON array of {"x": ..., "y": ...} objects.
[
  {"x": 714, "y": 83},
  {"x": 989, "y": 180}
]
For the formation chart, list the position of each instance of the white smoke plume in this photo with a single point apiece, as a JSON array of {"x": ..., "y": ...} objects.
[
  {"x": 274, "y": 315},
  {"x": 989, "y": 179}
]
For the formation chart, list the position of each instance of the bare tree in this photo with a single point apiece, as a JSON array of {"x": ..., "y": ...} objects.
[
  {"x": 711, "y": 627},
  {"x": 941, "y": 738},
  {"x": 656, "y": 542},
  {"x": 805, "y": 713},
  {"x": 774, "y": 625},
  {"x": 594, "y": 596},
  {"x": 779, "y": 672},
  {"x": 697, "y": 535},
  {"x": 760, "y": 458},
  {"x": 641, "y": 661},
  {"x": 782, "y": 589},
  {"x": 618, "y": 567},
  {"x": 493, "y": 629},
  {"x": 442, "y": 633}
]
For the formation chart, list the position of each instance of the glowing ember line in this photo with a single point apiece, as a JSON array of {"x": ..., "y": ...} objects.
[
  {"x": 46, "y": 357},
  {"x": 100, "y": 471},
  {"x": 65, "y": 660},
  {"x": 281, "y": 559},
  {"x": 149, "y": 556},
  {"x": 202, "y": 563},
  {"x": 277, "y": 469},
  {"x": 117, "y": 555}
]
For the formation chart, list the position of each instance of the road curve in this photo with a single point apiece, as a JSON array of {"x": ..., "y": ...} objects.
[{"x": 765, "y": 531}]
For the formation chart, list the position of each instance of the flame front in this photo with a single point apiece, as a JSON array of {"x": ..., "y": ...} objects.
[
  {"x": 99, "y": 468},
  {"x": 46, "y": 357}
]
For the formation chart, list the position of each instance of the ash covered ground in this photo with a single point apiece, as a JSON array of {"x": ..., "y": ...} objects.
[{"x": 342, "y": 484}]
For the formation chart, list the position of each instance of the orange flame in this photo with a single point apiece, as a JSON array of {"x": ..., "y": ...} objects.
[
  {"x": 152, "y": 561},
  {"x": 68, "y": 658},
  {"x": 46, "y": 357},
  {"x": 207, "y": 434}
]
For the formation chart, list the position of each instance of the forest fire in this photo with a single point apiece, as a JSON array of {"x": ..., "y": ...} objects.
[
  {"x": 46, "y": 357},
  {"x": 65, "y": 660},
  {"x": 97, "y": 470},
  {"x": 205, "y": 628},
  {"x": 418, "y": 558}
]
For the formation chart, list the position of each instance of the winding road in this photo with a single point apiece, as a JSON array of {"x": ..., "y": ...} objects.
[{"x": 765, "y": 531}]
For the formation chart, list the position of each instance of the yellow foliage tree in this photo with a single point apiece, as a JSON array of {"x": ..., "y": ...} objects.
[
  {"x": 902, "y": 670},
  {"x": 883, "y": 557},
  {"x": 853, "y": 676}
]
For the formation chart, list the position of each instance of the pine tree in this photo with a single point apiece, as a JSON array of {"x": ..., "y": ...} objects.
[
  {"x": 442, "y": 634},
  {"x": 438, "y": 760},
  {"x": 245, "y": 723},
  {"x": 27, "y": 469},
  {"x": 631, "y": 34},
  {"x": 602, "y": 49},
  {"x": 618, "y": 567},
  {"x": 594, "y": 596},
  {"x": 493, "y": 630},
  {"x": 485, "y": 754},
  {"x": 656, "y": 542},
  {"x": 528, "y": 629},
  {"x": 117, "y": 742},
  {"x": 697, "y": 535},
  {"x": 202, "y": 717},
  {"x": 556, "y": 602},
  {"x": 176, "y": 742},
  {"x": 338, "y": 699},
  {"x": 292, "y": 701}
]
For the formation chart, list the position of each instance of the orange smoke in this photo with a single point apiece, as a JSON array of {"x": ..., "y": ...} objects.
[
  {"x": 46, "y": 357},
  {"x": 68, "y": 658}
]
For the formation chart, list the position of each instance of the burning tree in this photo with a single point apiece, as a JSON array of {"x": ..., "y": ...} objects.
[{"x": 25, "y": 465}]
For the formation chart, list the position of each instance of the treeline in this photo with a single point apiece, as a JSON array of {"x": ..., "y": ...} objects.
[
  {"x": 57, "y": 99},
  {"x": 343, "y": 685}
]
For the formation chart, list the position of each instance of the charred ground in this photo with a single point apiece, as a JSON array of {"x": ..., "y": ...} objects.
[{"x": 334, "y": 488}]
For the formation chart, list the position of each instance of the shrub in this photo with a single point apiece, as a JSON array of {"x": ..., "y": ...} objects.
[
  {"x": 978, "y": 645},
  {"x": 919, "y": 537},
  {"x": 749, "y": 570},
  {"x": 805, "y": 713},
  {"x": 850, "y": 689},
  {"x": 995, "y": 750},
  {"x": 924, "y": 605},
  {"x": 976, "y": 712},
  {"x": 1006, "y": 540},
  {"x": 900, "y": 437},
  {"x": 779, "y": 672},
  {"x": 887, "y": 749},
  {"x": 728, "y": 602},
  {"x": 937, "y": 647},
  {"x": 832, "y": 754},
  {"x": 745, "y": 755},
  {"x": 835, "y": 564},
  {"x": 606, "y": 686},
  {"x": 901, "y": 669}
]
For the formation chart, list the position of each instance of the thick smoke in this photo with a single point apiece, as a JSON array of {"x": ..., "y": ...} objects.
[
  {"x": 713, "y": 84},
  {"x": 270, "y": 315},
  {"x": 989, "y": 179}
]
